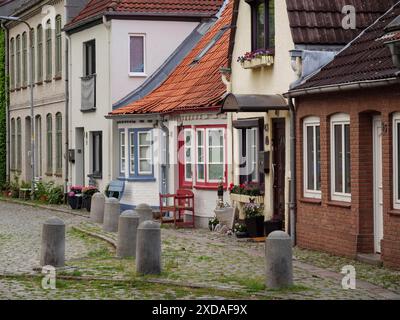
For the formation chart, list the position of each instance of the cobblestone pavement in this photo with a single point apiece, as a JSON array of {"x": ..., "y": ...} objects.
[
  {"x": 20, "y": 237},
  {"x": 196, "y": 264}
]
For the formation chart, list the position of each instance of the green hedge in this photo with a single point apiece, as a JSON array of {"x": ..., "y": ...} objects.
[{"x": 3, "y": 114}]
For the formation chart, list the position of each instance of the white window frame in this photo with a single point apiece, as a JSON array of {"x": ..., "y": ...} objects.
[
  {"x": 396, "y": 122},
  {"x": 313, "y": 122},
  {"x": 186, "y": 147},
  {"x": 139, "y": 133},
  {"x": 122, "y": 151},
  {"x": 253, "y": 148},
  {"x": 137, "y": 74},
  {"x": 208, "y": 163},
  {"x": 338, "y": 119},
  {"x": 203, "y": 151},
  {"x": 132, "y": 146}
]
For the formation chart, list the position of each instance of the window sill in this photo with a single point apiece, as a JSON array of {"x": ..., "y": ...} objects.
[
  {"x": 311, "y": 200},
  {"x": 88, "y": 110},
  {"x": 139, "y": 179},
  {"x": 24, "y": 87},
  {"x": 137, "y": 75},
  {"x": 340, "y": 204},
  {"x": 394, "y": 212},
  {"x": 48, "y": 81},
  {"x": 96, "y": 176},
  {"x": 40, "y": 83},
  {"x": 209, "y": 187},
  {"x": 47, "y": 174},
  {"x": 57, "y": 78},
  {"x": 58, "y": 175},
  {"x": 12, "y": 90}
]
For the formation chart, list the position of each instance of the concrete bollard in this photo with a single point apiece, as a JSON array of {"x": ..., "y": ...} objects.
[
  {"x": 145, "y": 212},
  {"x": 127, "y": 234},
  {"x": 53, "y": 243},
  {"x": 111, "y": 215},
  {"x": 97, "y": 208},
  {"x": 148, "y": 248},
  {"x": 278, "y": 255}
]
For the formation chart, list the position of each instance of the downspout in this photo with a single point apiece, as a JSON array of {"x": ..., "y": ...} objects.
[
  {"x": 228, "y": 85},
  {"x": 66, "y": 112},
  {"x": 165, "y": 166},
  {"x": 292, "y": 200},
  {"x": 6, "y": 40}
]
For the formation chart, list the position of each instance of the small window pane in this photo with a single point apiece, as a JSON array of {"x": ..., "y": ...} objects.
[
  {"x": 200, "y": 171},
  {"x": 347, "y": 158},
  {"x": 137, "y": 54},
  {"x": 310, "y": 157},
  {"x": 260, "y": 25},
  {"x": 132, "y": 153},
  {"x": 318, "y": 146},
  {"x": 145, "y": 166},
  {"x": 338, "y": 154},
  {"x": 144, "y": 138},
  {"x": 216, "y": 171}
]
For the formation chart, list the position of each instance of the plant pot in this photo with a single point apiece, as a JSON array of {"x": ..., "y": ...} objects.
[
  {"x": 272, "y": 225},
  {"x": 75, "y": 202},
  {"x": 242, "y": 234},
  {"x": 87, "y": 202},
  {"x": 225, "y": 216},
  {"x": 255, "y": 226}
]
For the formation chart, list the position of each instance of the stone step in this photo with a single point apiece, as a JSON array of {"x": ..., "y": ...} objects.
[{"x": 370, "y": 258}]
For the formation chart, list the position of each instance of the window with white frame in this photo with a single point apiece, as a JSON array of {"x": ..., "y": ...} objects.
[
  {"x": 131, "y": 153},
  {"x": 215, "y": 154},
  {"x": 136, "y": 55},
  {"x": 312, "y": 157},
  {"x": 340, "y": 158},
  {"x": 188, "y": 154},
  {"x": 201, "y": 165},
  {"x": 145, "y": 153},
  {"x": 122, "y": 151},
  {"x": 396, "y": 160}
]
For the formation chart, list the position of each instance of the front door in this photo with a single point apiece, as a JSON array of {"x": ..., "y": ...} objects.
[
  {"x": 278, "y": 166},
  {"x": 378, "y": 194}
]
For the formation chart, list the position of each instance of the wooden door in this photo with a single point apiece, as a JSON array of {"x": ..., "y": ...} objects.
[{"x": 278, "y": 165}]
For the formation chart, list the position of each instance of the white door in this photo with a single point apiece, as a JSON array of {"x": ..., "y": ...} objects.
[{"x": 378, "y": 194}]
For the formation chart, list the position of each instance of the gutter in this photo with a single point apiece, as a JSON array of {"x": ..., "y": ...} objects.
[
  {"x": 66, "y": 112},
  {"x": 165, "y": 166},
  {"x": 343, "y": 87}
]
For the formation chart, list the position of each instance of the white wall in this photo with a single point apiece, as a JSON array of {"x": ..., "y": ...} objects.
[{"x": 113, "y": 80}]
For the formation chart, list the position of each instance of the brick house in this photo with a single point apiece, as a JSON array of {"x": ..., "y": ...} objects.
[{"x": 348, "y": 150}]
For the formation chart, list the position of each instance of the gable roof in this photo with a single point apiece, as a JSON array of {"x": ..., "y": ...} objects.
[
  {"x": 193, "y": 85},
  {"x": 173, "y": 8},
  {"x": 366, "y": 58},
  {"x": 319, "y": 22}
]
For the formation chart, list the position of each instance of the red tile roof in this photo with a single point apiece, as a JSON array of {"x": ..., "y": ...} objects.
[
  {"x": 319, "y": 22},
  {"x": 191, "y": 86},
  {"x": 205, "y": 8},
  {"x": 365, "y": 58}
]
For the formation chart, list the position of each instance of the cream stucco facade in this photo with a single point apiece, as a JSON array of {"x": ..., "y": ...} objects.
[{"x": 269, "y": 80}]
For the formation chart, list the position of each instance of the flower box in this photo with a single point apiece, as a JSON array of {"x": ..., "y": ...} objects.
[
  {"x": 255, "y": 226},
  {"x": 259, "y": 62},
  {"x": 242, "y": 199},
  {"x": 75, "y": 201}
]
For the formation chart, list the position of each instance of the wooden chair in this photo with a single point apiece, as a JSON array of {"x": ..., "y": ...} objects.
[
  {"x": 166, "y": 207},
  {"x": 184, "y": 201}
]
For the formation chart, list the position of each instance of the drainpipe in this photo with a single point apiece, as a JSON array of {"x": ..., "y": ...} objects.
[
  {"x": 66, "y": 115},
  {"x": 165, "y": 166},
  {"x": 292, "y": 200},
  {"x": 6, "y": 40}
]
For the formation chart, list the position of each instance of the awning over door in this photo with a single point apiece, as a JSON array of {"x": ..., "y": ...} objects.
[{"x": 253, "y": 103}]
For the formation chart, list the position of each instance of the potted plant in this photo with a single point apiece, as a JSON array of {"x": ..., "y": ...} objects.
[
  {"x": 87, "y": 194},
  {"x": 272, "y": 225},
  {"x": 75, "y": 197},
  {"x": 212, "y": 223},
  {"x": 245, "y": 193},
  {"x": 240, "y": 230},
  {"x": 254, "y": 219}
]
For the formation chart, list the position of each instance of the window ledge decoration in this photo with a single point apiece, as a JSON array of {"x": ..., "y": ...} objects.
[
  {"x": 257, "y": 59},
  {"x": 246, "y": 193}
]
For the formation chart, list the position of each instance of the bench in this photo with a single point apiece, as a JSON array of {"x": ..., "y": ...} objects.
[{"x": 116, "y": 189}]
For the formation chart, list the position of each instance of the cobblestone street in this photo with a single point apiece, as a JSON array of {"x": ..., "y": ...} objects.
[{"x": 196, "y": 264}]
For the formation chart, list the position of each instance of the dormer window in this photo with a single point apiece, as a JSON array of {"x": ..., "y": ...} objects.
[{"x": 262, "y": 24}]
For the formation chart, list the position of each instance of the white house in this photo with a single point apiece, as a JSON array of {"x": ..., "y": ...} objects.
[
  {"x": 114, "y": 48},
  {"x": 174, "y": 137},
  {"x": 46, "y": 18}
]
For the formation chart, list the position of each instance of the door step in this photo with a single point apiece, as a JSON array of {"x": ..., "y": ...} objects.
[{"x": 370, "y": 258}]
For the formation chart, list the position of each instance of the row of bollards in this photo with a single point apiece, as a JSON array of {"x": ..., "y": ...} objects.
[{"x": 140, "y": 237}]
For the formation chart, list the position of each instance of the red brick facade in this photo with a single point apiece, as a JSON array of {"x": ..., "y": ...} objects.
[{"x": 347, "y": 228}]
